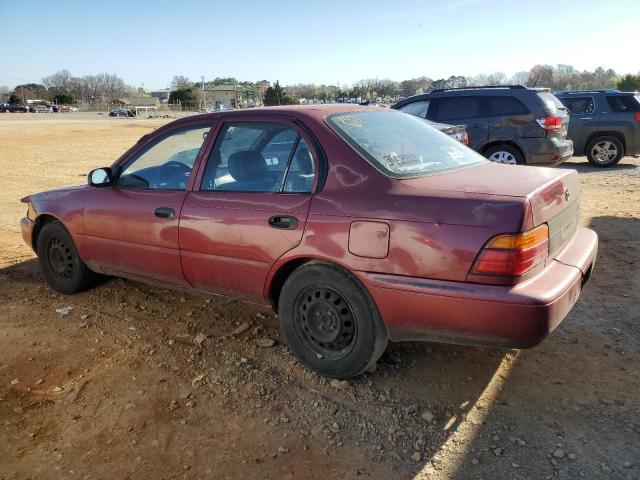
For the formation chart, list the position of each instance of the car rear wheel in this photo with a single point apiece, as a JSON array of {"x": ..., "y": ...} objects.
[
  {"x": 605, "y": 151},
  {"x": 60, "y": 263},
  {"x": 505, "y": 154},
  {"x": 330, "y": 322}
]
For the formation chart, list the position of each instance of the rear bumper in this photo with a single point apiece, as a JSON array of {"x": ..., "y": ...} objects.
[
  {"x": 547, "y": 151},
  {"x": 517, "y": 316}
]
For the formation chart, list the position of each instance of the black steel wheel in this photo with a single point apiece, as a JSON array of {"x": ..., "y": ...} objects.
[
  {"x": 59, "y": 261},
  {"x": 330, "y": 321}
]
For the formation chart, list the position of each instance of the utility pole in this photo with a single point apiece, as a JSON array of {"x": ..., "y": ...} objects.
[{"x": 202, "y": 95}]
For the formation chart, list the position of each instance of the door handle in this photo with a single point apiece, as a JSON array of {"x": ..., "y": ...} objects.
[
  {"x": 586, "y": 118},
  {"x": 283, "y": 221},
  {"x": 476, "y": 125},
  {"x": 165, "y": 212}
]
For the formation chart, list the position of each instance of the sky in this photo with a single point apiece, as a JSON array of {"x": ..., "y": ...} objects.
[{"x": 148, "y": 42}]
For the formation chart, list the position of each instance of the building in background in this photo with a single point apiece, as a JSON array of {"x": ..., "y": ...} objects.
[
  {"x": 162, "y": 94},
  {"x": 224, "y": 97}
]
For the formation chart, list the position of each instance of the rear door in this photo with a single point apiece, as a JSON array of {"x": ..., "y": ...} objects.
[
  {"x": 465, "y": 111},
  {"x": 249, "y": 206},
  {"x": 584, "y": 119},
  {"x": 509, "y": 118}
]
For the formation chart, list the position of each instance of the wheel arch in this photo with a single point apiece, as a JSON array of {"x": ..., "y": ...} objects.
[
  {"x": 606, "y": 133},
  {"x": 42, "y": 220},
  {"x": 495, "y": 143}
]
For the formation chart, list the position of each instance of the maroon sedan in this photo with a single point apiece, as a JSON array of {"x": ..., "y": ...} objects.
[{"x": 357, "y": 225}]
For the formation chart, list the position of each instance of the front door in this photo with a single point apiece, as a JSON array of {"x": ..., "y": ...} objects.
[
  {"x": 583, "y": 121},
  {"x": 132, "y": 227},
  {"x": 249, "y": 208},
  {"x": 466, "y": 111}
]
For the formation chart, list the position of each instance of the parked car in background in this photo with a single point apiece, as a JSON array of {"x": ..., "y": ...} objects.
[
  {"x": 605, "y": 124},
  {"x": 122, "y": 112},
  {"x": 356, "y": 224},
  {"x": 457, "y": 132},
  {"x": 40, "y": 109},
  {"x": 4, "y": 107},
  {"x": 507, "y": 124},
  {"x": 55, "y": 109},
  {"x": 16, "y": 107}
]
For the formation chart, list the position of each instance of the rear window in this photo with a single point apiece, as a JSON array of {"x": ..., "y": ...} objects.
[
  {"x": 551, "y": 101},
  {"x": 454, "y": 108},
  {"x": 499, "y": 106},
  {"x": 419, "y": 109},
  {"x": 401, "y": 146},
  {"x": 624, "y": 103}
]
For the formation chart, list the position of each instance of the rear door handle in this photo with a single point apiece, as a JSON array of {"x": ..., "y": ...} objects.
[
  {"x": 165, "y": 212},
  {"x": 586, "y": 118},
  {"x": 283, "y": 221}
]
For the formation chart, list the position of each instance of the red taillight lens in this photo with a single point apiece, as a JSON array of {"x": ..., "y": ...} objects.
[
  {"x": 465, "y": 139},
  {"x": 637, "y": 115},
  {"x": 550, "y": 123},
  {"x": 513, "y": 255}
]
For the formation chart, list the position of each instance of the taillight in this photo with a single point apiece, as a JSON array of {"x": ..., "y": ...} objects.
[
  {"x": 513, "y": 255},
  {"x": 637, "y": 115},
  {"x": 551, "y": 123},
  {"x": 465, "y": 139}
]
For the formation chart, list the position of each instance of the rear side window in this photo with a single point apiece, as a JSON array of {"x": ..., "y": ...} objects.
[
  {"x": 623, "y": 103},
  {"x": 499, "y": 106},
  {"x": 419, "y": 109},
  {"x": 579, "y": 105},
  {"x": 454, "y": 108}
]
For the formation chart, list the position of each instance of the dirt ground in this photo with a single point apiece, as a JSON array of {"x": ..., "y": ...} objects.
[{"x": 123, "y": 387}]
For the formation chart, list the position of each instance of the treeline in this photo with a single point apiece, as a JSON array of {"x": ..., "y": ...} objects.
[{"x": 64, "y": 88}]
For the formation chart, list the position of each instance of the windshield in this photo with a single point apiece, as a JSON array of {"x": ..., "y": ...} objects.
[{"x": 401, "y": 145}]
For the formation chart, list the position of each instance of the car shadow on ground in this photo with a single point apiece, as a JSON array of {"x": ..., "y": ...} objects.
[{"x": 586, "y": 167}]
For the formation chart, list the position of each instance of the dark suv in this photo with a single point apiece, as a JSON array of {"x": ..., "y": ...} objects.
[
  {"x": 605, "y": 124},
  {"x": 507, "y": 124}
]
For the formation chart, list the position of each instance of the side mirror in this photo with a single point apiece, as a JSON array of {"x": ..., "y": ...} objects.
[{"x": 100, "y": 177}]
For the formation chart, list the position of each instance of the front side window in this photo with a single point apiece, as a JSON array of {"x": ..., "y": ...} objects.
[
  {"x": 401, "y": 146},
  {"x": 258, "y": 157},
  {"x": 455, "y": 108},
  {"x": 579, "y": 105},
  {"x": 167, "y": 164},
  {"x": 419, "y": 109}
]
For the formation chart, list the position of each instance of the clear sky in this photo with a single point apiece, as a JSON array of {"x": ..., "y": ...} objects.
[{"x": 148, "y": 42}]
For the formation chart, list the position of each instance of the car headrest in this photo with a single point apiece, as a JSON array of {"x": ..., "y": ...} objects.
[
  {"x": 247, "y": 166},
  {"x": 305, "y": 161}
]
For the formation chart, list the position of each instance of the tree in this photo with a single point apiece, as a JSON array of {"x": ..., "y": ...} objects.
[
  {"x": 14, "y": 99},
  {"x": 540, "y": 76},
  {"x": 180, "y": 81},
  {"x": 184, "y": 95},
  {"x": 277, "y": 95},
  {"x": 629, "y": 83}
]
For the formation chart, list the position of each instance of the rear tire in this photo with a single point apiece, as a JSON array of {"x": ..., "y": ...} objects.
[
  {"x": 60, "y": 263},
  {"x": 506, "y": 154},
  {"x": 605, "y": 151},
  {"x": 330, "y": 322}
]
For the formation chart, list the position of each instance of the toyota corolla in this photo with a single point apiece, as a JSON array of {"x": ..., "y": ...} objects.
[{"x": 357, "y": 225}]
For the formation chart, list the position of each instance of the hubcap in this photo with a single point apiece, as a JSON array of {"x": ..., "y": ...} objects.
[
  {"x": 325, "y": 322},
  {"x": 60, "y": 258},
  {"x": 604, "y": 152},
  {"x": 502, "y": 156}
]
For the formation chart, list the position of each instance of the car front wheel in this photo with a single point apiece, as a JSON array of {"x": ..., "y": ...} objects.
[
  {"x": 605, "y": 151},
  {"x": 60, "y": 263},
  {"x": 330, "y": 322}
]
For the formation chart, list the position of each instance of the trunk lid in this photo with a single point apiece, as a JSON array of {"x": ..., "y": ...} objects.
[{"x": 553, "y": 194}]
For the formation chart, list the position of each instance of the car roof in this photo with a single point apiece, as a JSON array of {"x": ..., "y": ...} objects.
[
  {"x": 475, "y": 91},
  {"x": 315, "y": 112}
]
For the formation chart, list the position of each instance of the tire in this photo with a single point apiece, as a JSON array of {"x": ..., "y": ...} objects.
[
  {"x": 505, "y": 154},
  {"x": 347, "y": 336},
  {"x": 60, "y": 263},
  {"x": 605, "y": 151}
]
